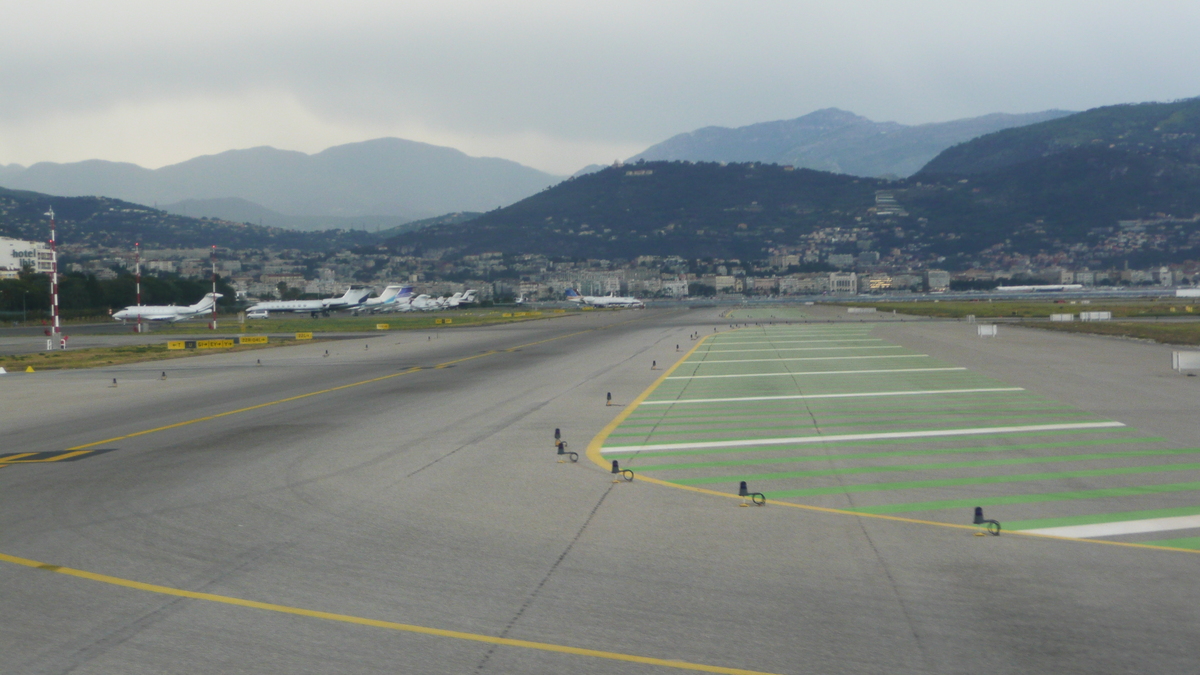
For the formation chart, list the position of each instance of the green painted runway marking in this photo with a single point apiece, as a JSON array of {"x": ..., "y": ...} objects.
[
  {"x": 1035, "y": 411},
  {"x": 736, "y": 398},
  {"x": 1184, "y": 542},
  {"x": 934, "y": 466},
  {"x": 1100, "y": 518},
  {"x": 900, "y": 441},
  {"x": 1075, "y": 495},
  {"x": 982, "y": 480},
  {"x": 808, "y": 424},
  {"x": 911, "y": 453}
]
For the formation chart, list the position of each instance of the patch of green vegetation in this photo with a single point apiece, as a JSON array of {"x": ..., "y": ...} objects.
[
  {"x": 1034, "y": 310},
  {"x": 109, "y": 356},
  {"x": 1166, "y": 333},
  {"x": 352, "y": 324}
]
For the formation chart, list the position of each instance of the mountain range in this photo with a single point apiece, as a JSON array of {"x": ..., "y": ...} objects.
[
  {"x": 1119, "y": 183},
  {"x": 835, "y": 140},
  {"x": 403, "y": 180}
]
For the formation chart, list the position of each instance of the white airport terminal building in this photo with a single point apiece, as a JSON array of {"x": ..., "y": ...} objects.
[{"x": 18, "y": 253}]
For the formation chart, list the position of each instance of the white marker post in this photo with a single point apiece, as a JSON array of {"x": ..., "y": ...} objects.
[
  {"x": 213, "y": 324},
  {"x": 55, "y": 328}
]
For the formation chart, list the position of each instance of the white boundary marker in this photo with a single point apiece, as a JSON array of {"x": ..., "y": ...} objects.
[
  {"x": 817, "y": 372},
  {"x": 930, "y": 433},
  {"x": 811, "y": 358},
  {"x": 923, "y": 392},
  {"x": 1122, "y": 527},
  {"x": 800, "y": 349},
  {"x": 790, "y": 342}
]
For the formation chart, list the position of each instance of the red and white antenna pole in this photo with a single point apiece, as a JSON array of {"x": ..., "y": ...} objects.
[
  {"x": 56, "y": 328},
  {"x": 213, "y": 323},
  {"x": 137, "y": 247}
]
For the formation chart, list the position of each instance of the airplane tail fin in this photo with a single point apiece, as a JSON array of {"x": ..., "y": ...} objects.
[
  {"x": 206, "y": 302},
  {"x": 389, "y": 293},
  {"x": 574, "y": 295}
]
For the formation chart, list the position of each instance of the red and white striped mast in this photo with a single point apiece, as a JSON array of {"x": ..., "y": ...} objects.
[
  {"x": 56, "y": 327},
  {"x": 213, "y": 324},
  {"x": 137, "y": 248}
]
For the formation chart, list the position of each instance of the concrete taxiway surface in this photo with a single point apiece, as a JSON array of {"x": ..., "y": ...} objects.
[{"x": 397, "y": 506}]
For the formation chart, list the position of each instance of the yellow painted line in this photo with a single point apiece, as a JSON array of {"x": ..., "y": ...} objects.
[
  {"x": 56, "y": 458},
  {"x": 327, "y": 391},
  {"x": 16, "y": 458},
  {"x": 376, "y": 623},
  {"x": 593, "y": 453}
]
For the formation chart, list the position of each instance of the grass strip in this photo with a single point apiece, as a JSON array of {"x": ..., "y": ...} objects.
[{"x": 97, "y": 357}]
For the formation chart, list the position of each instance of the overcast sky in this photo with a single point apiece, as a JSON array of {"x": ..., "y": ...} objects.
[{"x": 554, "y": 85}]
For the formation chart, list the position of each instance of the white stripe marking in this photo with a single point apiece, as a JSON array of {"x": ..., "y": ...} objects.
[
  {"x": 792, "y": 342},
  {"x": 800, "y": 349},
  {"x": 812, "y": 358},
  {"x": 925, "y": 392},
  {"x": 817, "y": 372},
  {"x": 1123, "y": 527},
  {"x": 931, "y": 433}
]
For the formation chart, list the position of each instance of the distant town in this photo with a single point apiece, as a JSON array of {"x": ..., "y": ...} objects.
[{"x": 811, "y": 268}]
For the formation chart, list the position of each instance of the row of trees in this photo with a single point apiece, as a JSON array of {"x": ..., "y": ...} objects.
[{"x": 85, "y": 295}]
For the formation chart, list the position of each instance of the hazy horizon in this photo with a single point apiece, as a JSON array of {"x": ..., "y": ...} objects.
[{"x": 552, "y": 86}]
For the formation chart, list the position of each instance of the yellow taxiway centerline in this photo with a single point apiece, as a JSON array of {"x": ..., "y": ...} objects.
[
  {"x": 376, "y": 623},
  {"x": 329, "y": 390}
]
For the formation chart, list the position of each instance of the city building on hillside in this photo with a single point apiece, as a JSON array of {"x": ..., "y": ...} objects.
[
  {"x": 843, "y": 283},
  {"x": 675, "y": 289},
  {"x": 937, "y": 280},
  {"x": 766, "y": 285},
  {"x": 16, "y": 254},
  {"x": 879, "y": 282},
  {"x": 841, "y": 259}
]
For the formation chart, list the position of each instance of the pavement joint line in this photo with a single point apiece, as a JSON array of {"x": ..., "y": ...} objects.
[
  {"x": 329, "y": 390},
  {"x": 927, "y": 433},
  {"x": 376, "y": 623},
  {"x": 924, "y": 392},
  {"x": 596, "y": 445},
  {"x": 818, "y": 372}
]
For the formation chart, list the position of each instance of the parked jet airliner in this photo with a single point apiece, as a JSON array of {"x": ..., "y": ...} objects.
[
  {"x": 352, "y": 298},
  {"x": 167, "y": 312},
  {"x": 610, "y": 300}
]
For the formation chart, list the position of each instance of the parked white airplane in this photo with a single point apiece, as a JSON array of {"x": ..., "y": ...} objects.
[
  {"x": 467, "y": 298},
  {"x": 167, "y": 312},
  {"x": 424, "y": 303},
  {"x": 352, "y": 298},
  {"x": 610, "y": 300},
  {"x": 391, "y": 295}
]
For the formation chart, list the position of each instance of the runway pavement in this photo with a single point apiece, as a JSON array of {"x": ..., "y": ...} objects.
[{"x": 397, "y": 506}]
